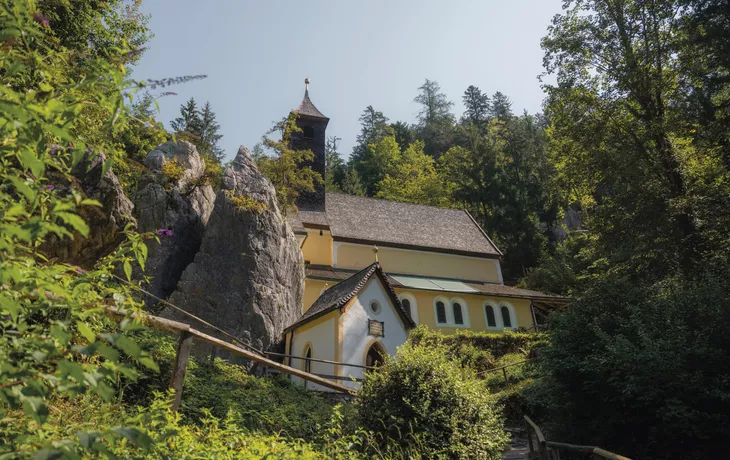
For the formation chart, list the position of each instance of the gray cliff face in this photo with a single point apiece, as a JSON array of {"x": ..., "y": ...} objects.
[
  {"x": 248, "y": 277},
  {"x": 177, "y": 211},
  {"x": 106, "y": 223}
]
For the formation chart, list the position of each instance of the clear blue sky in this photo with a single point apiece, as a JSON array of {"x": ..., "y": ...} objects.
[{"x": 357, "y": 53}]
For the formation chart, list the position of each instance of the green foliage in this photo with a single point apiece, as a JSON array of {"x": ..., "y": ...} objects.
[
  {"x": 497, "y": 344},
  {"x": 435, "y": 122},
  {"x": 199, "y": 127},
  {"x": 265, "y": 405},
  {"x": 421, "y": 398},
  {"x": 374, "y": 126},
  {"x": 56, "y": 341},
  {"x": 410, "y": 176},
  {"x": 173, "y": 172},
  {"x": 286, "y": 168},
  {"x": 334, "y": 165},
  {"x": 213, "y": 173},
  {"x": 245, "y": 203},
  {"x": 643, "y": 371}
]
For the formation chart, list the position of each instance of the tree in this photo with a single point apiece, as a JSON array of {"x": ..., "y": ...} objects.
[
  {"x": 210, "y": 135},
  {"x": 188, "y": 125},
  {"x": 501, "y": 108},
  {"x": 410, "y": 176},
  {"x": 504, "y": 179},
  {"x": 334, "y": 165},
  {"x": 284, "y": 166},
  {"x": 351, "y": 184},
  {"x": 476, "y": 106},
  {"x": 373, "y": 126},
  {"x": 404, "y": 134},
  {"x": 199, "y": 127},
  {"x": 435, "y": 121},
  {"x": 623, "y": 139}
]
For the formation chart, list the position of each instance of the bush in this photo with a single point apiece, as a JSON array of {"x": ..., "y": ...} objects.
[
  {"x": 422, "y": 399},
  {"x": 642, "y": 371}
]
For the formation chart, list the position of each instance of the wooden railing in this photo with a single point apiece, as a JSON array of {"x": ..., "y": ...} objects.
[
  {"x": 185, "y": 343},
  {"x": 542, "y": 449}
]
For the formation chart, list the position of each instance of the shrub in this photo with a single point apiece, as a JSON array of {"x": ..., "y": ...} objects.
[
  {"x": 422, "y": 399},
  {"x": 213, "y": 172},
  {"x": 173, "y": 172},
  {"x": 245, "y": 203},
  {"x": 642, "y": 371},
  {"x": 496, "y": 344}
]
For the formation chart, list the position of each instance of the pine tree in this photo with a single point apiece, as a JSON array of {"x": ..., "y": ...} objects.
[
  {"x": 210, "y": 134},
  {"x": 476, "y": 106},
  {"x": 374, "y": 126},
  {"x": 351, "y": 184},
  {"x": 435, "y": 121},
  {"x": 334, "y": 165},
  {"x": 187, "y": 125},
  {"x": 404, "y": 134},
  {"x": 501, "y": 106}
]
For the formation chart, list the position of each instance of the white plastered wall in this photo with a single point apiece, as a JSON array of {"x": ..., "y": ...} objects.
[
  {"x": 321, "y": 338},
  {"x": 356, "y": 340}
]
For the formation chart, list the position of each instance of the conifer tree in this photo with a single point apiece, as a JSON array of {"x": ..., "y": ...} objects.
[
  {"x": 334, "y": 165},
  {"x": 210, "y": 134},
  {"x": 476, "y": 106},
  {"x": 435, "y": 121}
]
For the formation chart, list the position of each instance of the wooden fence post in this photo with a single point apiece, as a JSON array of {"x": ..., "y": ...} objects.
[{"x": 184, "y": 344}]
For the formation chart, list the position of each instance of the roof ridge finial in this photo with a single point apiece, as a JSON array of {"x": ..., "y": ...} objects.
[
  {"x": 375, "y": 253},
  {"x": 306, "y": 86}
]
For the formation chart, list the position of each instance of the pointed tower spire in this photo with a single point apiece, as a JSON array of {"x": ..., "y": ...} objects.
[{"x": 306, "y": 108}]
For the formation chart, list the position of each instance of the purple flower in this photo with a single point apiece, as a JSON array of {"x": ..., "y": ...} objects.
[
  {"x": 50, "y": 187},
  {"x": 77, "y": 269},
  {"x": 164, "y": 231},
  {"x": 42, "y": 20}
]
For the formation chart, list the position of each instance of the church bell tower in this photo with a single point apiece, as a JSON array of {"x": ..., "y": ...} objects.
[{"x": 313, "y": 124}]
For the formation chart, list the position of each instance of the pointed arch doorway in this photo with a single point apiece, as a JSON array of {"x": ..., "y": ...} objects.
[{"x": 375, "y": 355}]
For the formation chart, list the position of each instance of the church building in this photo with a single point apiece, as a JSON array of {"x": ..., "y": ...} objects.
[{"x": 377, "y": 268}]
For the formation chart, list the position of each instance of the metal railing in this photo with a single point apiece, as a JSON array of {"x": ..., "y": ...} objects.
[{"x": 543, "y": 449}]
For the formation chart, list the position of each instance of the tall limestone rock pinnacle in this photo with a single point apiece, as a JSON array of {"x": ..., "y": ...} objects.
[
  {"x": 174, "y": 201},
  {"x": 248, "y": 277}
]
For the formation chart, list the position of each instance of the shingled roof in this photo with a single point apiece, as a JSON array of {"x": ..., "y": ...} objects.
[
  {"x": 341, "y": 293},
  {"x": 306, "y": 108},
  {"x": 364, "y": 220}
]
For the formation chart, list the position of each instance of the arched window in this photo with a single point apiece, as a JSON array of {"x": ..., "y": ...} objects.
[
  {"x": 491, "y": 319},
  {"x": 408, "y": 302},
  {"x": 407, "y": 307},
  {"x": 308, "y": 132},
  {"x": 506, "y": 318},
  {"x": 458, "y": 315},
  {"x": 307, "y": 359},
  {"x": 440, "y": 312}
]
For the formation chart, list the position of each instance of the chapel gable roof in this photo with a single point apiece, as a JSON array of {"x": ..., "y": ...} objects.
[
  {"x": 364, "y": 220},
  {"x": 341, "y": 293}
]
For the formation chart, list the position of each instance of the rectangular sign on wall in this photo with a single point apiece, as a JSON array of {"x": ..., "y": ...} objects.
[{"x": 376, "y": 328}]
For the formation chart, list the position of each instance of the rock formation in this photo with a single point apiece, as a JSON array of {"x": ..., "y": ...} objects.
[
  {"x": 248, "y": 277},
  {"x": 177, "y": 209},
  {"x": 106, "y": 223}
]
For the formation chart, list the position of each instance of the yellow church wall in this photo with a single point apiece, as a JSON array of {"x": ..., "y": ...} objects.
[
  {"x": 312, "y": 291},
  {"x": 426, "y": 313},
  {"x": 475, "y": 306},
  {"x": 317, "y": 249},
  {"x": 421, "y": 263}
]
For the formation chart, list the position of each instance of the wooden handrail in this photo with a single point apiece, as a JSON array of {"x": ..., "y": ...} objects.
[
  {"x": 544, "y": 447},
  {"x": 186, "y": 331}
]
